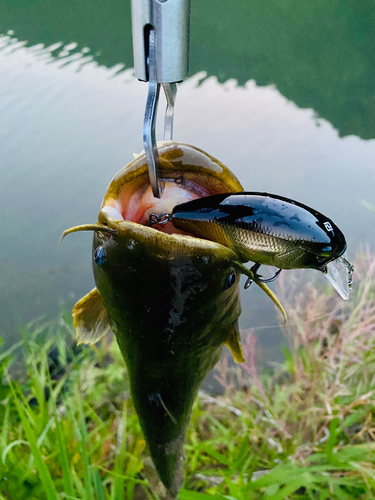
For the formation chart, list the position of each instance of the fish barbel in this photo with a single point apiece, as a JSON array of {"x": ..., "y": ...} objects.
[
  {"x": 171, "y": 299},
  {"x": 271, "y": 230}
]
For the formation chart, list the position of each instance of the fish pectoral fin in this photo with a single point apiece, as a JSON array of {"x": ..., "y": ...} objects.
[
  {"x": 263, "y": 286},
  {"x": 233, "y": 342},
  {"x": 90, "y": 318}
]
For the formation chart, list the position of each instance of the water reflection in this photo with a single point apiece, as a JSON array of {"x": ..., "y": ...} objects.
[
  {"x": 318, "y": 54},
  {"x": 69, "y": 124}
]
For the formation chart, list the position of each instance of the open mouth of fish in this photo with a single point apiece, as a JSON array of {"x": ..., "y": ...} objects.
[{"x": 184, "y": 176}]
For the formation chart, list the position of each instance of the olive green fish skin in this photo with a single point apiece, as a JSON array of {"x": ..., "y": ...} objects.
[
  {"x": 178, "y": 319},
  {"x": 264, "y": 228}
]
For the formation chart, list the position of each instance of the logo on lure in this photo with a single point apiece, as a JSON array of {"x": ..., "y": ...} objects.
[
  {"x": 271, "y": 230},
  {"x": 328, "y": 226}
]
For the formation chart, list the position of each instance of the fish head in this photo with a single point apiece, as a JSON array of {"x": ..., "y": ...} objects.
[
  {"x": 168, "y": 280},
  {"x": 162, "y": 266}
]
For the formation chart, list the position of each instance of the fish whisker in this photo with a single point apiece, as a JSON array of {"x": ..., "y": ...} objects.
[{"x": 89, "y": 227}]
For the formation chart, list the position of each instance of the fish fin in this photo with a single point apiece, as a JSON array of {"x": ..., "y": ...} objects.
[
  {"x": 264, "y": 287},
  {"x": 90, "y": 318},
  {"x": 233, "y": 342}
]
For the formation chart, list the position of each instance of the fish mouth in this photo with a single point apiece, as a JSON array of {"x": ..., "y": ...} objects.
[{"x": 186, "y": 172}]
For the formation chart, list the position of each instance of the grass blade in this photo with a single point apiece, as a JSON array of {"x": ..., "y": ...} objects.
[
  {"x": 67, "y": 478},
  {"x": 40, "y": 465},
  {"x": 81, "y": 434}
]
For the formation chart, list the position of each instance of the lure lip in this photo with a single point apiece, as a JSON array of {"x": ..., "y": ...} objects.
[{"x": 339, "y": 273}]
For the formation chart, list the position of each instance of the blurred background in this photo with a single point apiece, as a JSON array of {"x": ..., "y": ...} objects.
[{"x": 283, "y": 93}]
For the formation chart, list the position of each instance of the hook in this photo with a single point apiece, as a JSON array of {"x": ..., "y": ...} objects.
[{"x": 254, "y": 269}]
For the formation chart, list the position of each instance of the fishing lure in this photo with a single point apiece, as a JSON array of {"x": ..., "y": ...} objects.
[{"x": 271, "y": 230}]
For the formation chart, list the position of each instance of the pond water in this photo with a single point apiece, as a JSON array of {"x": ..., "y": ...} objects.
[{"x": 283, "y": 93}]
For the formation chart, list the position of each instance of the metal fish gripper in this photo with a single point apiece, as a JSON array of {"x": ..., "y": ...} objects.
[{"x": 160, "y": 45}]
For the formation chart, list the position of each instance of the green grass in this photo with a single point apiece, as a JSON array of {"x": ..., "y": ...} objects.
[{"x": 303, "y": 430}]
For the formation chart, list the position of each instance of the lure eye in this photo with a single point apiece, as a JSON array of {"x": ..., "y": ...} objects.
[
  {"x": 323, "y": 256},
  {"x": 100, "y": 256},
  {"x": 230, "y": 281}
]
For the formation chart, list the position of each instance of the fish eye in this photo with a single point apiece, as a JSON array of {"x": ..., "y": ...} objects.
[
  {"x": 100, "y": 256},
  {"x": 230, "y": 281}
]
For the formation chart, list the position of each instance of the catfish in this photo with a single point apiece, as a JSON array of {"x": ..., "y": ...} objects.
[{"x": 171, "y": 299}]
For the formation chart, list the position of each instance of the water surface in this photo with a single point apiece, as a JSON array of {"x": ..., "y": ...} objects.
[{"x": 283, "y": 94}]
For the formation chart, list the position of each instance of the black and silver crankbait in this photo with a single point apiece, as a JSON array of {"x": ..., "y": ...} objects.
[{"x": 271, "y": 230}]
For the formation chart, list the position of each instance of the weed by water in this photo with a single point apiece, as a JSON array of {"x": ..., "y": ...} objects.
[{"x": 68, "y": 429}]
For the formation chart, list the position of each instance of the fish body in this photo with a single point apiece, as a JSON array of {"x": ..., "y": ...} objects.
[
  {"x": 171, "y": 299},
  {"x": 264, "y": 228},
  {"x": 172, "y": 309}
]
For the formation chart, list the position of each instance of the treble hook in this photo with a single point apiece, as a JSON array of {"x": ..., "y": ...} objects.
[{"x": 254, "y": 269}]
